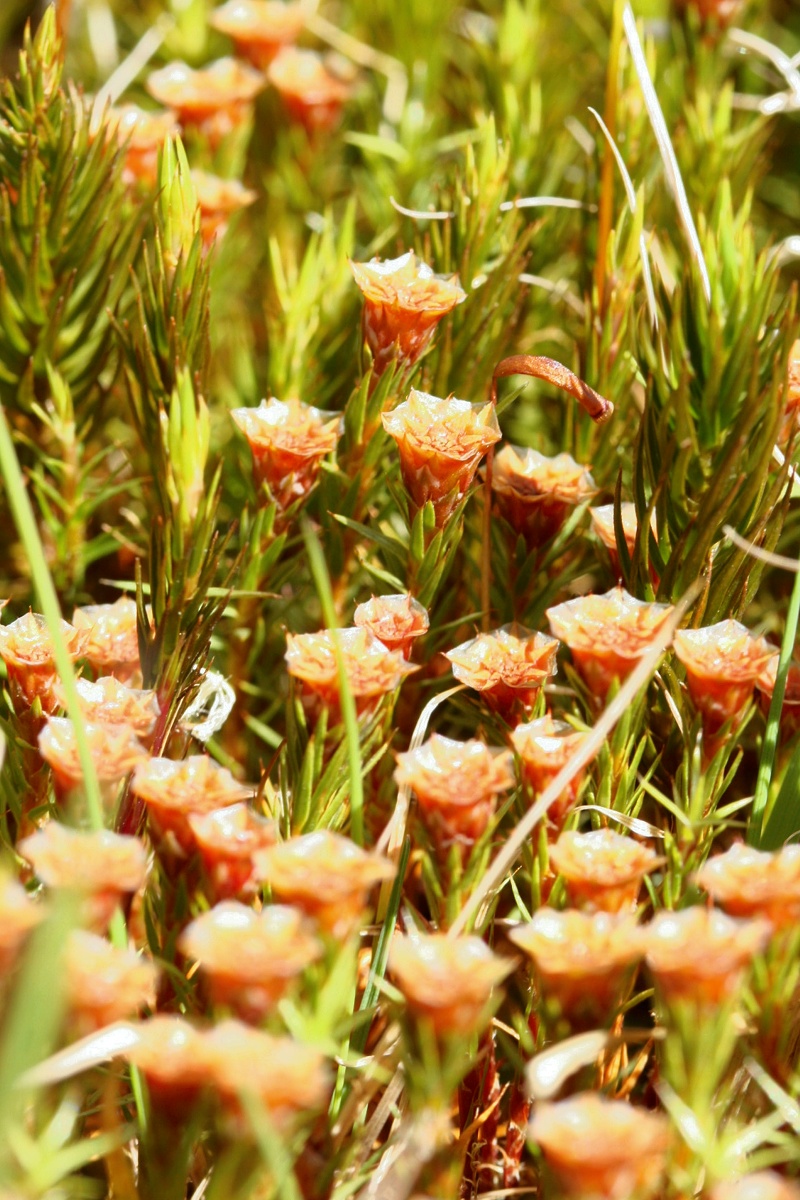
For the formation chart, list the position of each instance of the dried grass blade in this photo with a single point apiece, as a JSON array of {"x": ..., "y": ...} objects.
[
  {"x": 545, "y": 202},
  {"x": 130, "y": 67},
  {"x": 418, "y": 214},
  {"x": 548, "y": 1071},
  {"x": 91, "y": 1051},
  {"x": 665, "y": 146},
  {"x": 781, "y": 61},
  {"x": 366, "y": 56},
  {"x": 584, "y": 755},
  {"x": 634, "y": 824},
  {"x": 765, "y": 556}
]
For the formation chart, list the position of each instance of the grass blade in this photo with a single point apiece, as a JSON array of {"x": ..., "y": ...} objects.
[
  {"x": 25, "y": 522},
  {"x": 785, "y": 817}
]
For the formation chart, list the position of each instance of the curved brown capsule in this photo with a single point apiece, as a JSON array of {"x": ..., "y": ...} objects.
[{"x": 539, "y": 367}]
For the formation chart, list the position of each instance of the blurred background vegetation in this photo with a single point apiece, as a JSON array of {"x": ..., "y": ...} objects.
[{"x": 456, "y": 109}]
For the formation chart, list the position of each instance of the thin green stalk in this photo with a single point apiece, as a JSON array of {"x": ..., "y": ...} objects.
[
  {"x": 275, "y": 1154},
  {"x": 767, "y": 762},
  {"x": 42, "y": 580},
  {"x": 322, "y": 582},
  {"x": 33, "y": 1016},
  {"x": 380, "y": 951}
]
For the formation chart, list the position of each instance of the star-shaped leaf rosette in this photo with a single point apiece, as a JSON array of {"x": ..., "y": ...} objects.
[
  {"x": 764, "y": 885},
  {"x": 450, "y": 988},
  {"x": 441, "y": 442},
  {"x": 701, "y": 957},
  {"x": 447, "y": 982},
  {"x": 536, "y": 494},
  {"x": 607, "y": 635},
  {"x": 259, "y": 29},
  {"x": 397, "y": 621},
  {"x": 106, "y": 701},
  {"x": 248, "y": 959},
  {"x": 325, "y": 876},
  {"x": 404, "y": 301},
  {"x": 98, "y": 867},
  {"x": 218, "y": 201},
  {"x": 311, "y": 93},
  {"x": 747, "y": 882},
  {"x": 601, "y": 1148},
  {"x": 216, "y": 99},
  {"x": 105, "y": 983},
  {"x": 603, "y": 524},
  {"x": 583, "y": 964},
  {"x": 602, "y": 870},
  {"x": 111, "y": 639},
  {"x": 115, "y": 751},
  {"x": 544, "y": 747},
  {"x": 508, "y": 667},
  {"x": 723, "y": 663},
  {"x": 456, "y": 785},
  {"x": 371, "y": 668},
  {"x": 26, "y": 648},
  {"x": 141, "y": 134},
  {"x": 288, "y": 440},
  {"x": 175, "y": 790},
  {"x": 227, "y": 840}
]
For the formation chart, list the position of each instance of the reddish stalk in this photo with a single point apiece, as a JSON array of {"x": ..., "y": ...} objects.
[
  {"x": 536, "y": 367},
  {"x": 478, "y": 1094}
]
